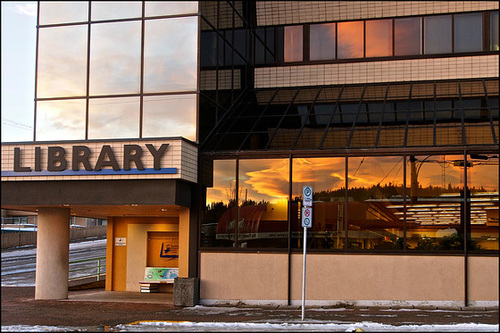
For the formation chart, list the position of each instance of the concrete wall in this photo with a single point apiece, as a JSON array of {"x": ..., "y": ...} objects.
[
  {"x": 15, "y": 239},
  {"x": 354, "y": 279}
]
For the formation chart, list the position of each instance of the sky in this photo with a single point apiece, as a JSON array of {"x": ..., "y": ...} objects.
[{"x": 18, "y": 70}]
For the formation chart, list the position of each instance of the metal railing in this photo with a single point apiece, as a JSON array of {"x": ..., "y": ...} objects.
[{"x": 95, "y": 267}]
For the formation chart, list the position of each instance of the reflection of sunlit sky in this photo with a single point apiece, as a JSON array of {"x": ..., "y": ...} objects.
[
  {"x": 106, "y": 10},
  {"x": 63, "y": 11},
  {"x": 158, "y": 8},
  {"x": 170, "y": 65},
  {"x": 378, "y": 38},
  {"x": 265, "y": 180},
  {"x": 114, "y": 118},
  {"x": 293, "y": 43},
  {"x": 170, "y": 115},
  {"x": 115, "y": 58},
  {"x": 223, "y": 181},
  {"x": 62, "y": 73},
  {"x": 322, "y": 41},
  {"x": 268, "y": 179},
  {"x": 61, "y": 120},
  {"x": 350, "y": 40},
  {"x": 171, "y": 58}
]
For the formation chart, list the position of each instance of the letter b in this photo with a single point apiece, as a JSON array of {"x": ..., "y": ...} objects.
[{"x": 56, "y": 160}]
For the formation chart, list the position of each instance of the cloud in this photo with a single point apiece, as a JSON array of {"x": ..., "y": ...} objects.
[{"x": 28, "y": 9}]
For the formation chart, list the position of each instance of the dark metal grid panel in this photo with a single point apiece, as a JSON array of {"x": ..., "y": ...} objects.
[{"x": 420, "y": 114}]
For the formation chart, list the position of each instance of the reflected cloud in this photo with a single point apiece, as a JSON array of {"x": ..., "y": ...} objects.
[
  {"x": 170, "y": 115},
  {"x": 350, "y": 40},
  {"x": 320, "y": 173},
  {"x": 159, "y": 8},
  {"x": 106, "y": 10},
  {"x": 171, "y": 59},
  {"x": 378, "y": 38},
  {"x": 224, "y": 181},
  {"x": 115, "y": 58},
  {"x": 114, "y": 118},
  {"x": 267, "y": 181},
  {"x": 60, "y": 120},
  {"x": 62, "y": 73}
]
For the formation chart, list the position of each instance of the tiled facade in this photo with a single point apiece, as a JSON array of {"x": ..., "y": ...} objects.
[
  {"x": 295, "y": 12},
  {"x": 378, "y": 71},
  {"x": 180, "y": 154}
]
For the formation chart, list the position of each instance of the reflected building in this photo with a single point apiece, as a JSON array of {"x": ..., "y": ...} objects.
[{"x": 200, "y": 123}]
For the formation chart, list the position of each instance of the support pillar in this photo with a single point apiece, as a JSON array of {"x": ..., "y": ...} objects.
[{"x": 52, "y": 255}]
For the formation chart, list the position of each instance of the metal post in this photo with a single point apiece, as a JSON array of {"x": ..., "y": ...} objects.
[
  {"x": 304, "y": 274},
  {"x": 98, "y": 269}
]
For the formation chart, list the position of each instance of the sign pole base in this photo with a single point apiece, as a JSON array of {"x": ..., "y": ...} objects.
[{"x": 304, "y": 274}]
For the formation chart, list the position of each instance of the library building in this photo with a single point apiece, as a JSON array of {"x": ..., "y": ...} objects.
[{"x": 219, "y": 140}]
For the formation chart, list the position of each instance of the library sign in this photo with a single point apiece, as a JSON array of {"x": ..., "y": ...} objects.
[{"x": 91, "y": 159}]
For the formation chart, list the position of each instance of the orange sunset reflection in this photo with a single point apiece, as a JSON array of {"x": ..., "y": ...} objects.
[{"x": 267, "y": 180}]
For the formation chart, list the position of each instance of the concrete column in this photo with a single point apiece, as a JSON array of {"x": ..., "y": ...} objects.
[{"x": 52, "y": 254}]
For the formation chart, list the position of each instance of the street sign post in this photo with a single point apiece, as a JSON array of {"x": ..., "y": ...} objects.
[
  {"x": 307, "y": 200},
  {"x": 307, "y": 196},
  {"x": 307, "y": 217}
]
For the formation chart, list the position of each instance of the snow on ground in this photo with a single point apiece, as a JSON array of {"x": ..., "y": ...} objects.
[{"x": 161, "y": 326}]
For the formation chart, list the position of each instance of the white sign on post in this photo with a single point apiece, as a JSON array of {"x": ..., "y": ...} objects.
[
  {"x": 307, "y": 195},
  {"x": 307, "y": 213}
]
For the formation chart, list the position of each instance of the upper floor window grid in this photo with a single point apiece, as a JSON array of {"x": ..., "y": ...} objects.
[{"x": 405, "y": 36}]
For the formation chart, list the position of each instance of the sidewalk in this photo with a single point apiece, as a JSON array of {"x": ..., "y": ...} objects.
[{"x": 98, "y": 310}]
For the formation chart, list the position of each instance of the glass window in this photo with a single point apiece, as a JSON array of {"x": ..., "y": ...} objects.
[
  {"x": 494, "y": 30},
  {"x": 378, "y": 38},
  {"x": 294, "y": 49},
  {"x": 350, "y": 40},
  {"x": 407, "y": 36},
  {"x": 471, "y": 109},
  {"x": 160, "y": 8},
  {"x": 468, "y": 32},
  {"x": 375, "y": 192},
  {"x": 62, "y": 73},
  {"x": 55, "y": 12},
  {"x": 482, "y": 179},
  {"x": 219, "y": 216},
  {"x": 113, "y": 118},
  {"x": 327, "y": 178},
  {"x": 263, "y": 54},
  {"x": 322, "y": 41},
  {"x": 237, "y": 52},
  {"x": 170, "y": 59},
  {"x": 170, "y": 115},
  {"x": 208, "y": 49},
  {"x": 115, "y": 58},
  {"x": 437, "y": 34},
  {"x": 433, "y": 213},
  {"x": 263, "y": 196},
  {"x": 109, "y": 10},
  {"x": 60, "y": 120}
]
